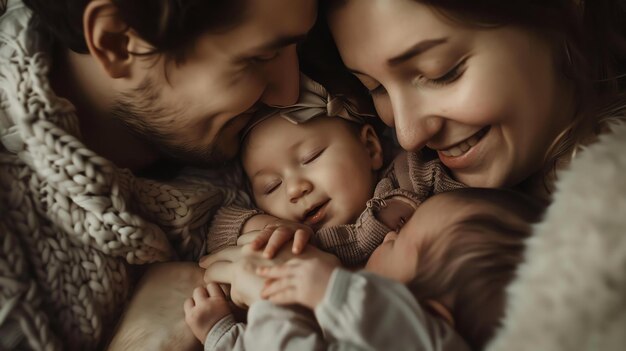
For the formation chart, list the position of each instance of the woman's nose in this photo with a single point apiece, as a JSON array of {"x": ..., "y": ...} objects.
[
  {"x": 414, "y": 125},
  {"x": 298, "y": 188},
  {"x": 283, "y": 79}
]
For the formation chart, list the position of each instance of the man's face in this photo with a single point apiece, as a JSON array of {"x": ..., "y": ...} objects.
[
  {"x": 195, "y": 110},
  {"x": 320, "y": 173}
]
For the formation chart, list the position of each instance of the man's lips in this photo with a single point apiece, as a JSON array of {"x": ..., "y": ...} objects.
[{"x": 316, "y": 214}]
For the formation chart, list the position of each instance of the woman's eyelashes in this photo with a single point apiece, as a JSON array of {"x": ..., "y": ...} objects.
[{"x": 449, "y": 77}]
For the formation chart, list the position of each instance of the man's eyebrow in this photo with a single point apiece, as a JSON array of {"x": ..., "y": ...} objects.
[
  {"x": 415, "y": 50},
  {"x": 280, "y": 42}
]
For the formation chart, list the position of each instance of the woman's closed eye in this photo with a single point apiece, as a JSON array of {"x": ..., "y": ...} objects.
[
  {"x": 449, "y": 77},
  {"x": 312, "y": 156}
]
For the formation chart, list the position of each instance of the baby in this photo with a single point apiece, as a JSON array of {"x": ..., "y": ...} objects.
[
  {"x": 453, "y": 257},
  {"x": 313, "y": 168}
]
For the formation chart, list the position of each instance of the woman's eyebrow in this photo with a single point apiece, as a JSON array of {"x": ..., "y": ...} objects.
[{"x": 415, "y": 50}]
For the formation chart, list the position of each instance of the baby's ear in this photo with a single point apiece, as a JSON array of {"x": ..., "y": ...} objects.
[
  {"x": 372, "y": 143},
  {"x": 441, "y": 310}
]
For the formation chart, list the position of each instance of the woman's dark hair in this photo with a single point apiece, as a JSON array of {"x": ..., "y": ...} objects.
[{"x": 170, "y": 26}]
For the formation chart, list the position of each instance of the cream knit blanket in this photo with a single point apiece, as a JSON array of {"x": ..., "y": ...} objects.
[{"x": 71, "y": 220}]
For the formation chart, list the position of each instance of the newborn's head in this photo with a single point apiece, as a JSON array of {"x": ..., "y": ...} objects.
[
  {"x": 320, "y": 173},
  {"x": 458, "y": 252}
]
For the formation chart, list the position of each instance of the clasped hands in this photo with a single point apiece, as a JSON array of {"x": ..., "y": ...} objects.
[
  {"x": 278, "y": 274},
  {"x": 283, "y": 276}
]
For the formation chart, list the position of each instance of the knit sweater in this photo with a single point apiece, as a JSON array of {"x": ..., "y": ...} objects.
[
  {"x": 70, "y": 219},
  {"x": 408, "y": 175}
]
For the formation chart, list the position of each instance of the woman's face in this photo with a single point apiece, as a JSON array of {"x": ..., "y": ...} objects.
[{"x": 489, "y": 101}]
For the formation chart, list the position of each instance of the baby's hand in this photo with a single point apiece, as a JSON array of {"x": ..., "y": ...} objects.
[
  {"x": 301, "y": 281},
  {"x": 397, "y": 212},
  {"x": 204, "y": 309},
  {"x": 279, "y": 232}
]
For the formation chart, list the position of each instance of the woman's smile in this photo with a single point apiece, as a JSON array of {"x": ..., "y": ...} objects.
[{"x": 462, "y": 154}]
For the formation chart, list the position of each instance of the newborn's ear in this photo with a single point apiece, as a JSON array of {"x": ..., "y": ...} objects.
[
  {"x": 442, "y": 311},
  {"x": 372, "y": 143}
]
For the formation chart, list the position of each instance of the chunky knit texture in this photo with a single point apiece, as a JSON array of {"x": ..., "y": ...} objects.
[{"x": 71, "y": 220}]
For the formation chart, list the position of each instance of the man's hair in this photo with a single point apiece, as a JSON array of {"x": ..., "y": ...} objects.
[
  {"x": 170, "y": 26},
  {"x": 475, "y": 259}
]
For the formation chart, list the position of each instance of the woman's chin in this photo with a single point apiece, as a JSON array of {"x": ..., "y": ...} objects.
[{"x": 479, "y": 180}]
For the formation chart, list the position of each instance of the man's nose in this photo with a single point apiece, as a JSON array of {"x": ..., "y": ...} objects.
[
  {"x": 283, "y": 79},
  {"x": 297, "y": 188}
]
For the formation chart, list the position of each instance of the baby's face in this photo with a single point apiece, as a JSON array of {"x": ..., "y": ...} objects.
[
  {"x": 397, "y": 257},
  {"x": 320, "y": 173}
]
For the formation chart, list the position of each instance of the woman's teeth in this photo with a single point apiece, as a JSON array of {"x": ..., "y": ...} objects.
[{"x": 462, "y": 147}]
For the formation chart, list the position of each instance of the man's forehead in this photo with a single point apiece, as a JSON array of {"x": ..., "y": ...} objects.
[
  {"x": 278, "y": 42},
  {"x": 273, "y": 24}
]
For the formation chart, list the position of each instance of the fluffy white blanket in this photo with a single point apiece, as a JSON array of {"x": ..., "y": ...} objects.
[{"x": 571, "y": 292}]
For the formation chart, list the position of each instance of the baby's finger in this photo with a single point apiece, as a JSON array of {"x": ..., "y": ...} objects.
[
  {"x": 300, "y": 239},
  {"x": 278, "y": 238},
  {"x": 247, "y": 238},
  {"x": 219, "y": 272},
  {"x": 215, "y": 290},
  {"x": 200, "y": 294},
  {"x": 261, "y": 239},
  {"x": 188, "y": 305},
  {"x": 275, "y": 272},
  {"x": 228, "y": 254},
  {"x": 275, "y": 286},
  {"x": 270, "y": 227},
  {"x": 284, "y": 297}
]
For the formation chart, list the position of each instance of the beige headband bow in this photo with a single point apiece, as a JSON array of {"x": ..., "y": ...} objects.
[{"x": 314, "y": 101}]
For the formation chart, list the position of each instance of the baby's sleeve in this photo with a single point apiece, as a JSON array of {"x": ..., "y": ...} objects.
[
  {"x": 226, "y": 226},
  {"x": 374, "y": 313},
  {"x": 354, "y": 243},
  {"x": 226, "y": 334}
]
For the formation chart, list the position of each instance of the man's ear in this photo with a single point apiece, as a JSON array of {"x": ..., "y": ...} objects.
[
  {"x": 372, "y": 143},
  {"x": 109, "y": 39}
]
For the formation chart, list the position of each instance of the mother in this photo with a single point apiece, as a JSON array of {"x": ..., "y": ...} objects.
[{"x": 506, "y": 94}]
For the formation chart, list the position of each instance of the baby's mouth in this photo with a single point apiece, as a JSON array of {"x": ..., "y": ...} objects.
[
  {"x": 315, "y": 215},
  {"x": 463, "y": 146}
]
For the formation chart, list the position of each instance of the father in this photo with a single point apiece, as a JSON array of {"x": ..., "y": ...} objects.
[{"x": 95, "y": 97}]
